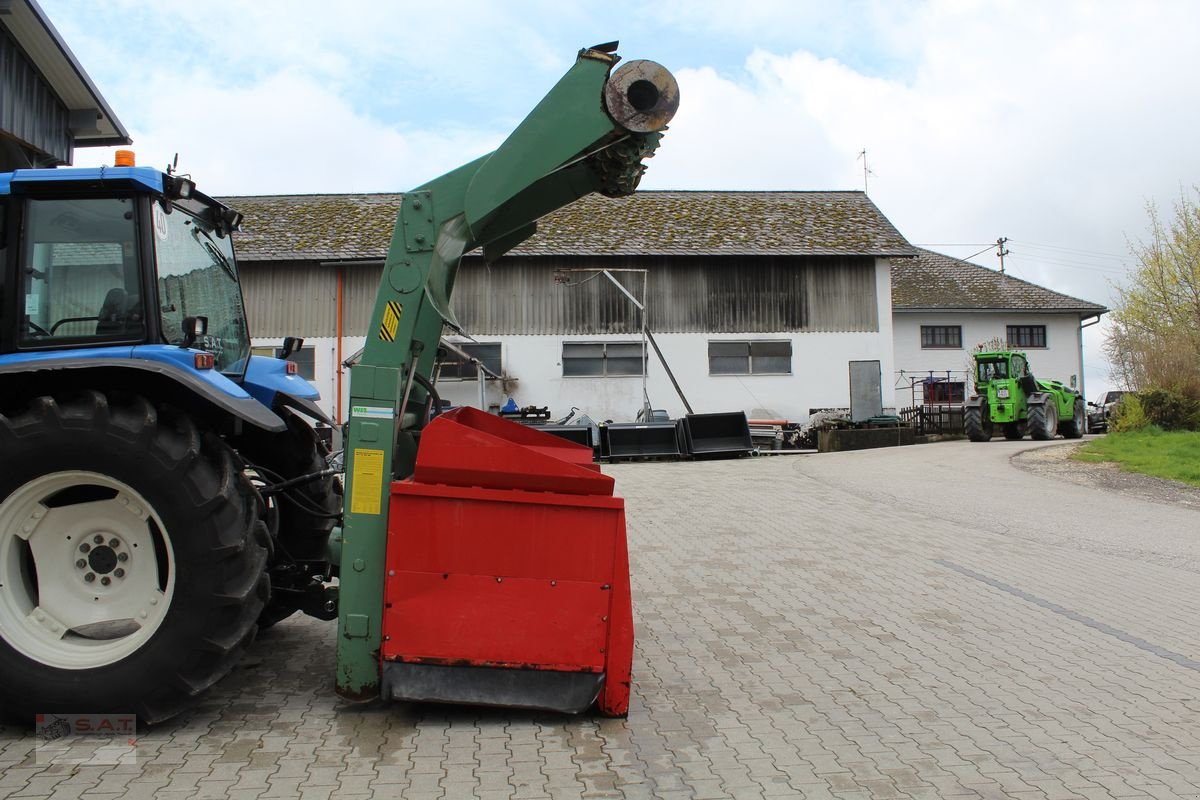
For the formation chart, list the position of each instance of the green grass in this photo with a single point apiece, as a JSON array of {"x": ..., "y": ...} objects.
[{"x": 1174, "y": 455}]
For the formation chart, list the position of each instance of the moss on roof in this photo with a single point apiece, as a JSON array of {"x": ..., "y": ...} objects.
[
  {"x": 936, "y": 281},
  {"x": 359, "y": 226}
]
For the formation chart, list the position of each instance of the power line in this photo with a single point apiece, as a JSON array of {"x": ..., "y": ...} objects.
[
  {"x": 1077, "y": 250},
  {"x": 1035, "y": 260}
]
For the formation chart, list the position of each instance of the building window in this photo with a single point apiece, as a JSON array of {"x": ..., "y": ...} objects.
[
  {"x": 603, "y": 359},
  {"x": 941, "y": 336},
  {"x": 750, "y": 358},
  {"x": 452, "y": 367},
  {"x": 1026, "y": 335},
  {"x": 937, "y": 392},
  {"x": 304, "y": 359}
]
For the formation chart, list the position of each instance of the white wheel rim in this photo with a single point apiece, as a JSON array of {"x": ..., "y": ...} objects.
[{"x": 51, "y": 541}]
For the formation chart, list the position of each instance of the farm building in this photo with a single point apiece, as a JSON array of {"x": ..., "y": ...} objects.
[{"x": 758, "y": 301}]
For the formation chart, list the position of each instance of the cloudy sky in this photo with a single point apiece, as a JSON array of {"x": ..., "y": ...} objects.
[{"x": 1050, "y": 123}]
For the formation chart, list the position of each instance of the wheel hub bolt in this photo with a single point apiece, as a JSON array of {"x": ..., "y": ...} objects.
[
  {"x": 114, "y": 543},
  {"x": 98, "y": 539},
  {"x": 105, "y": 581},
  {"x": 81, "y": 563},
  {"x": 91, "y": 576},
  {"x": 85, "y": 547},
  {"x": 122, "y": 556},
  {"x": 118, "y": 572}
]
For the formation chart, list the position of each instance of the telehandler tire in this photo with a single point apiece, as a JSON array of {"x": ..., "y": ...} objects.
[
  {"x": 977, "y": 423},
  {"x": 132, "y": 558},
  {"x": 303, "y": 537},
  {"x": 1078, "y": 424},
  {"x": 1043, "y": 419}
]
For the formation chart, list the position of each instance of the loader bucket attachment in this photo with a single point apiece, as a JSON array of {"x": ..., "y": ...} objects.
[
  {"x": 717, "y": 435},
  {"x": 507, "y": 573}
]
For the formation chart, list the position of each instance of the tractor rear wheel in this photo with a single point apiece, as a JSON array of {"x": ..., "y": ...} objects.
[
  {"x": 1043, "y": 419},
  {"x": 1078, "y": 424},
  {"x": 977, "y": 422},
  {"x": 132, "y": 558}
]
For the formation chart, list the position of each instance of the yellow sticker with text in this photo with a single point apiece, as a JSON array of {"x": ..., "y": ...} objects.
[
  {"x": 367, "y": 495},
  {"x": 391, "y": 321}
]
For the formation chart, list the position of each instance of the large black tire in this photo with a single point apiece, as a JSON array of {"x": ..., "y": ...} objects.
[
  {"x": 201, "y": 528},
  {"x": 1077, "y": 425},
  {"x": 977, "y": 422},
  {"x": 302, "y": 538},
  {"x": 1043, "y": 419},
  {"x": 1013, "y": 431}
]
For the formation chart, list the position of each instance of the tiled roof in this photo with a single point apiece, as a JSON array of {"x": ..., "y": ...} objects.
[
  {"x": 359, "y": 226},
  {"x": 935, "y": 281}
]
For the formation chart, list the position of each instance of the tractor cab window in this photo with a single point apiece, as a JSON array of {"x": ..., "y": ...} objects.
[
  {"x": 197, "y": 277},
  {"x": 992, "y": 370},
  {"x": 80, "y": 274},
  {"x": 1020, "y": 368}
]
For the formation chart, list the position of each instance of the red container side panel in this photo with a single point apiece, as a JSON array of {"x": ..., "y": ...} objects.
[
  {"x": 467, "y": 531},
  {"x": 618, "y": 655},
  {"x": 481, "y": 621},
  {"x": 466, "y": 447}
]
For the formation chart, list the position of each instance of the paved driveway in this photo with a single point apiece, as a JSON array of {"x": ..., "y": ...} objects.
[{"x": 917, "y": 622}]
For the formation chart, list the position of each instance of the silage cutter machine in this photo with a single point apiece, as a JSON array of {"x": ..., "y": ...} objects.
[
  {"x": 163, "y": 496},
  {"x": 482, "y": 561}
]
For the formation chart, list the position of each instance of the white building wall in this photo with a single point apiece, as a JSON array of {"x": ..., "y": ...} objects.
[
  {"x": 1060, "y": 360},
  {"x": 819, "y": 379}
]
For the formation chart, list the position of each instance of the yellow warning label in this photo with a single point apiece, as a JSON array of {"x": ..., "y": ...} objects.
[
  {"x": 391, "y": 321},
  {"x": 367, "y": 494}
]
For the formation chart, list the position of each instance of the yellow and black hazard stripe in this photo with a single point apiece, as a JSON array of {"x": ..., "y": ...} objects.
[{"x": 391, "y": 321}]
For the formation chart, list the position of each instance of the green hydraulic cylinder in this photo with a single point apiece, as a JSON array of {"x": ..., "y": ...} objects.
[{"x": 590, "y": 133}]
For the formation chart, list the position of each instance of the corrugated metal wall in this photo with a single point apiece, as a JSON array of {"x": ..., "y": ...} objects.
[
  {"x": 29, "y": 110},
  {"x": 686, "y": 295},
  {"x": 519, "y": 296}
]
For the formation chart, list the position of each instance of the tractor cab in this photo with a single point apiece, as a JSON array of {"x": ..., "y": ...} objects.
[
  {"x": 114, "y": 257},
  {"x": 1004, "y": 379}
]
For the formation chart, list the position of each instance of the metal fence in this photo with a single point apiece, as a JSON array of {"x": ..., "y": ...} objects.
[{"x": 933, "y": 419}]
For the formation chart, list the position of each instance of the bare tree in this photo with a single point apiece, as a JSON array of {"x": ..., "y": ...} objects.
[{"x": 1154, "y": 341}]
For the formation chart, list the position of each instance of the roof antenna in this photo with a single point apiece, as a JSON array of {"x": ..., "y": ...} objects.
[
  {"x": 866, "y": 171},
  {"x": 173, "y": 166}
]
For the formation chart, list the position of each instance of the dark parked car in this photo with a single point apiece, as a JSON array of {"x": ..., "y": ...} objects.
[{"x": 1100, "y": 411}]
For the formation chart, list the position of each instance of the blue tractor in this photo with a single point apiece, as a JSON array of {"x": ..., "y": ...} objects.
[{"x": 163, "y": 493}]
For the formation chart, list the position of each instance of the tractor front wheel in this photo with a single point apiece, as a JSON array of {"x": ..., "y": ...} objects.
[
  {"x": 1043, "y": 419},
  {"x": 132, "y": 558},
  {"x": 977, "y": 422}
]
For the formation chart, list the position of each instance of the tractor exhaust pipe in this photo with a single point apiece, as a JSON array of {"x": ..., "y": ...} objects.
[{"x": 641, "y": 96}]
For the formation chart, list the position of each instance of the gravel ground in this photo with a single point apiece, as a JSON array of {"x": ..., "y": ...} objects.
[{"x": 1056, "y": 462}]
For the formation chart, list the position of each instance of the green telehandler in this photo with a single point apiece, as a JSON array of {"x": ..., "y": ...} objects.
[{"x": 1009, "y": 397}]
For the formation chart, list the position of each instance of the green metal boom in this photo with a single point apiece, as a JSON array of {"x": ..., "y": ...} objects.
[{"x": 589, "y": 134}]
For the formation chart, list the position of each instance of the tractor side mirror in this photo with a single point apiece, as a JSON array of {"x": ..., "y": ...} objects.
[
  {"x": 193, "y": 329},
  {"x": 290, "y": 345}
]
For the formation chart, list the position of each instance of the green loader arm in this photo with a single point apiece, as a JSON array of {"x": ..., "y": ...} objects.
[{"x": 589, "y": 134}]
